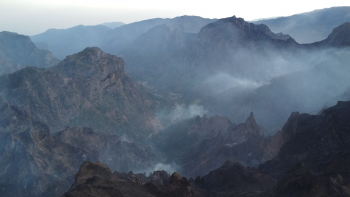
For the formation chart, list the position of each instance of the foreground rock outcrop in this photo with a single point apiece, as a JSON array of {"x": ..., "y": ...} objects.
[{"x": 96, "y": 179}]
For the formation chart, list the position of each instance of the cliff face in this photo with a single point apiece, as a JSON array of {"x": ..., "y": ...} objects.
[
  {"x": 18, "y": 51},
  {"x": 321, "y": 142}
]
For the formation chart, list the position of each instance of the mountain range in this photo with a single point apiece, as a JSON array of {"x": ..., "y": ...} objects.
[
  {"x": 226, "y": 107},
  {"x": 63, "y": 42}
]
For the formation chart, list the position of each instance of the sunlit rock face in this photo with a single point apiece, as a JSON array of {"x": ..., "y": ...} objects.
[{"x": 18, "y": 51}]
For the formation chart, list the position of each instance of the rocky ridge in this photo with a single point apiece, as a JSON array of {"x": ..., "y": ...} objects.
[{"x": 202, "y": 144}]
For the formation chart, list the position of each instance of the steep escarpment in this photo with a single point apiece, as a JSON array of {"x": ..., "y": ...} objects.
[
  {"x": 321, "y": 142},
  {"x": 18, "y": 51}
]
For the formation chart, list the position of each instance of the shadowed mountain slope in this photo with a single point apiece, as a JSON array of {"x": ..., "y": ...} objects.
[
  {"x": 312, "y": 160},
  {"x": 18, "y": 51}
]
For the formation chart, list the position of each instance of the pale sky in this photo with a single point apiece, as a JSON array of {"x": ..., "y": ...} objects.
[{"x": 30, "y": 17}]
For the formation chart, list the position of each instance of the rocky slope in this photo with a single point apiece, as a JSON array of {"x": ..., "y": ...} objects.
[
  {"x": 18, "y": 51},
  {"x": 89, "y": 89},
  {"x": 37, "y": 163},
  {"x": 338, "y": 38},
  {"x": 45, "y": 114},
  {"x": 309, "y": 27}
]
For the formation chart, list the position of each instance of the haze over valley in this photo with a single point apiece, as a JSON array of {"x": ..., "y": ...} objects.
[{"x": 181, "y": 106}]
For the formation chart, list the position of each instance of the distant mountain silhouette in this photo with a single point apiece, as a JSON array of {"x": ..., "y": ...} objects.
[
  {"x": 113, "y": 24},
  {"x": 310, "y": 26},
  {"x": 63, "y": 42}
]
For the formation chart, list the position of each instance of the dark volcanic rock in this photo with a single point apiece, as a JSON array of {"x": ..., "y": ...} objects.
[
  {"x": 234, "y": 179},
  {"x": 318, "y": 141},
  {"x": 96, "y": 179},
  {"x": 18, "y": 51},
  {"x": 301, "y": 181}
]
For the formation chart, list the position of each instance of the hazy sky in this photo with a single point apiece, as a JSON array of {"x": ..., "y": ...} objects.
[{"x": 31, "y": 17}]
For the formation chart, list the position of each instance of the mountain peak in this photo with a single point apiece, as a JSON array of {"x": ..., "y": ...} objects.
[
  {"x": 251, "y": 119},
  {"x": 90, "y": 63},
  {"x": 239, "y": 29},
  {"x": 340, "y": 35}
]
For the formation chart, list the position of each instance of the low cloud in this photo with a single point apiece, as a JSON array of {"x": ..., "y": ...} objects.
[
  {"x": 168, "y": 167},
  {"x": 179, "y": 113}
]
